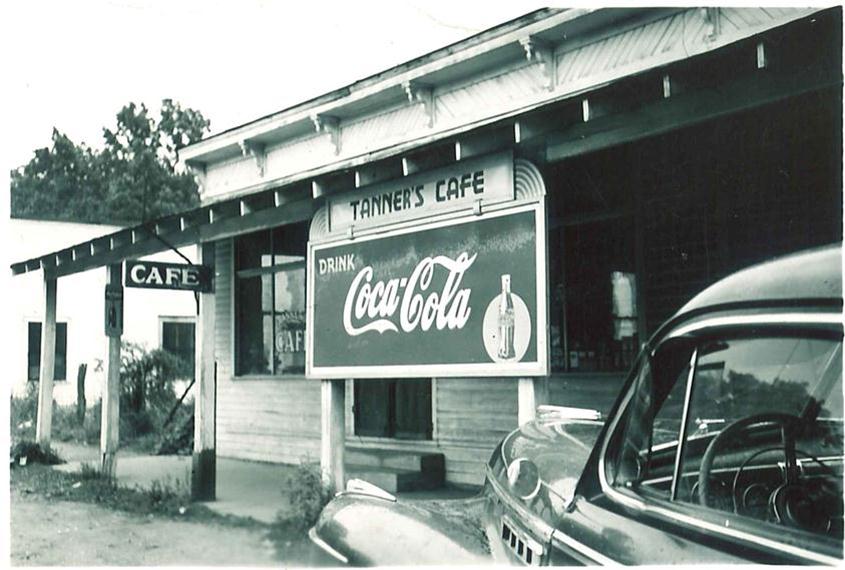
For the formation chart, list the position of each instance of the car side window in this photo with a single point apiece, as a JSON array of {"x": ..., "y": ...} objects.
[{"x": 762, "y": 428}]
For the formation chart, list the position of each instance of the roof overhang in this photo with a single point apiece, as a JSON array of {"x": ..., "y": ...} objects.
[
  {"x": 471, "y": 57},
  {"x": 207, "y": 223}
]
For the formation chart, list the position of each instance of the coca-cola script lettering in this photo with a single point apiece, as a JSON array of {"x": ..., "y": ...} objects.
[{"x": 372, "y": 306}]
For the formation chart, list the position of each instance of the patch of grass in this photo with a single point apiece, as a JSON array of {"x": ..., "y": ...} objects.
[{"x": 167, "y": 497}]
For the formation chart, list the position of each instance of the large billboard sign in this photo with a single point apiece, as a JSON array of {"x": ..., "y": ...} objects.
[{"x": 462, "y": 297}]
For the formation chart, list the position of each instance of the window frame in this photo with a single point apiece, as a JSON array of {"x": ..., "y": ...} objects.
[
  {"x": 179, "y": 319},
  {"x": 715, "y": 524},
  {"x": 233, "y": 300}
]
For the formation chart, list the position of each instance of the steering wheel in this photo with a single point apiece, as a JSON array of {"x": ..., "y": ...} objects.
[{"x": 787, "y": 423}]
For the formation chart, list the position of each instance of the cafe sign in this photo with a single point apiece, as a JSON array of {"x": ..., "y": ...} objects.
[
  {"x": 488, "y": 179},
  {"x": 452, "y": 298},
  {"x": 157, "y": 275}
]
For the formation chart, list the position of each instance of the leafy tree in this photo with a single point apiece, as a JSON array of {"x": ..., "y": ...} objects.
[{"x": 133, "y": 177}]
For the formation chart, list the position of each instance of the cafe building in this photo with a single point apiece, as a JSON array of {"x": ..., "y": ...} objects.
[{"x": 406, "y": 267}]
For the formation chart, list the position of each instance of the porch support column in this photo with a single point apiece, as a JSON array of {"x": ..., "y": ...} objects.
[
  {"x": 531, "y": 392},
  {"x": 44, "y": 422},
  {"x": 333, "y": 433},
  {"x": 110, "y": 420},
  {"x": 204, "y": 467}
]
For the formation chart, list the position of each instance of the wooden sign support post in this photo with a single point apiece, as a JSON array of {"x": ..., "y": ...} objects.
[
  {"x": 204, "y": 468},
  {"x": 333, "y": 426},
  {"x": 531, "y": 392},
  {"x": 44, "y": 422},
  {"x": 110, "y": 423}
]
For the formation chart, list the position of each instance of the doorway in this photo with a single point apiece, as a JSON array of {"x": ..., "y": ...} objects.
[{"x": 399, "y": 409}]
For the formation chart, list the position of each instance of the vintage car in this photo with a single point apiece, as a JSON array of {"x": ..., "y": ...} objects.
[{"x": 725, "y": 445}]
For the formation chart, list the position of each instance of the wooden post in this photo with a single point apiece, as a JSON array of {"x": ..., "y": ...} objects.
[
  {"x": 44, "y": 421},
  {"x": 204, "y": 466},
  {"x": 333, "y": 426},
  {"x": 80, "y": 393},
  {"x": 531, "y": 392},
  {"x": 110, "y": 418}
]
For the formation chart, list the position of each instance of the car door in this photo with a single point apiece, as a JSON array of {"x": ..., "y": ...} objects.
[{"x": 772, "y": 482}]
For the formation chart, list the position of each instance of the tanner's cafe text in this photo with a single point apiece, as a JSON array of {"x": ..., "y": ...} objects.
[
  {"x": 460, "y": 185},
  {"x": 445, "y": 189}
]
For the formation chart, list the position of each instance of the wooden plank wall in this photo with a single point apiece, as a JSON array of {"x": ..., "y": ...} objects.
[
  {"x": 473, "y": 415},
  {"x": 275, "y": 420}
]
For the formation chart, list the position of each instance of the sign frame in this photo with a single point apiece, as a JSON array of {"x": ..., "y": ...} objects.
[{"x": 539, "y": 367}]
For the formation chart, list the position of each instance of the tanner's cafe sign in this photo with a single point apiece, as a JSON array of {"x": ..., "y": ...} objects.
[
  {"x": 465, "y": 297},
  {"x": 486, "y": 179}
]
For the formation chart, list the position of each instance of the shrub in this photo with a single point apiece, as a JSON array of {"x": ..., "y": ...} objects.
[
  {"x": 34, "y": 453},
  {"x": 23, "y": 413},
  {"x": 307, "y": 495}
]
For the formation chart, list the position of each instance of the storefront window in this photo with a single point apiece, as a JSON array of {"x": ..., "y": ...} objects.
[
  {"x": 270, "y": 301},
  {"x": 594, "y": 297}
]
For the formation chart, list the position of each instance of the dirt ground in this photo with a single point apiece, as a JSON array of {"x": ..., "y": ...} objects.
[{"x": 48, "y": 532}]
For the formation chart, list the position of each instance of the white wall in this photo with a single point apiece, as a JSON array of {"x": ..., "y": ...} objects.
[{"x": 80, "y": 304}]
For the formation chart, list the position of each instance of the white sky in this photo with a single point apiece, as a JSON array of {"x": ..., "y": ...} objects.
[{"x": 74, "y": 64}]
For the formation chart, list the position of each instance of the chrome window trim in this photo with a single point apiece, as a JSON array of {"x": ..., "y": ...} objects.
[
  {"x": 786, "y": 319},
  {"x": 641, "y": 505},
  {"x": 679, "y": 450}
]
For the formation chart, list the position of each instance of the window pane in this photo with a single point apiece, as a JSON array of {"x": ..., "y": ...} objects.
[
  {"x": 252, "y": 352},
  {"x": 740, "y": 379},
  {"x": 270, "y": 299},
  {"x": 34, "y": 351},
  {"x": 178, "y": 339},
  {"x": 60, "y": 362},
  {"x": 290, "y": 321}
]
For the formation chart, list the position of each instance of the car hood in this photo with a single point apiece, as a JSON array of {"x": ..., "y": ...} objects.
[{"x": 540, "y": 463}]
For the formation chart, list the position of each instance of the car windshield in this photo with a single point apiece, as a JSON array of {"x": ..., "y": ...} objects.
[{"x": 733, "y": 397}]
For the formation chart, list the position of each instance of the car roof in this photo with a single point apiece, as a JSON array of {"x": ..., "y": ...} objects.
[{"x": 805, "y": 276}]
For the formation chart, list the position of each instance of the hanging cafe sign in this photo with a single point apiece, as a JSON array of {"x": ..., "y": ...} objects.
[
  {"x": 462, "y": 296},
  {"x": 158, "y": 275}
]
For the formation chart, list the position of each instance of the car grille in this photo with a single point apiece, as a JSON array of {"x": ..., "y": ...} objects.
[{"x": 527, "y": 550}]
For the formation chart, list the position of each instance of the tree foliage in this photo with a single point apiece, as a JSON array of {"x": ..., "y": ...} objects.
[{"x": 134, "y": 177}]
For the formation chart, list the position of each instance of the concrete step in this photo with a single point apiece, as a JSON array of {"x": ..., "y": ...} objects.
[
  {"x": 397, "y": 471},
  {"x": 395, "y": 480},
  {"x": 396, "y": 459}
]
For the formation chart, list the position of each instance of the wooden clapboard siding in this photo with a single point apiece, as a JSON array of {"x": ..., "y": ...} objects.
[
  {"x": 270, "y": 419},
  {"x": 473, "y": 415}
]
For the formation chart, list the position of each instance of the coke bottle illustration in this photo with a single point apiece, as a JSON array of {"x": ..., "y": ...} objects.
[{"x": 506, "y": 320}]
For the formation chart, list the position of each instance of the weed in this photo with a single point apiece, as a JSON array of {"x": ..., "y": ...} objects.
[{"x": 88, "y": 472}]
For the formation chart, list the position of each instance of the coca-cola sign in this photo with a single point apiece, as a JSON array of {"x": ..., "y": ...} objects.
[{"x": 462, "y": 299}]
